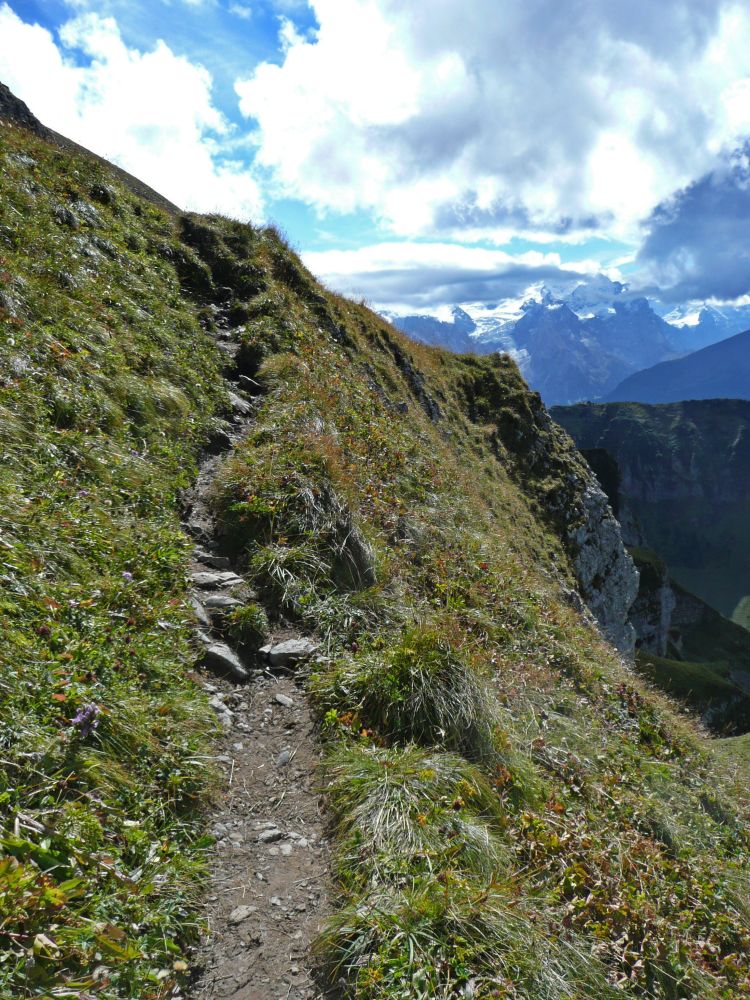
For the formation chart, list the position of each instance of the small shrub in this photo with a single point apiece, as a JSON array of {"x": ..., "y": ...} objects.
[{"x": 248, "y": 626}]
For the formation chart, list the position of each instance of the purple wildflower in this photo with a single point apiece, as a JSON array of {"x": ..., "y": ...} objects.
[
  {"x": 86, "y": 719},
  {"x": 127, "y": 577}
]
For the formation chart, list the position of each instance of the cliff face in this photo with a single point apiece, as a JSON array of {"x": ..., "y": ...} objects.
[
  {"x": 684, "y": 485},
  {"x": 690, "y": 649},
  {"x": 562, "y": 488}
]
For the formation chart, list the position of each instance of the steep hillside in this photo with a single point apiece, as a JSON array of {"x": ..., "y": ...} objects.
[
  {"x": 721, "y": 371},
  {"x": 512, "y": 812},
  {"x": 684, "y": 485}
]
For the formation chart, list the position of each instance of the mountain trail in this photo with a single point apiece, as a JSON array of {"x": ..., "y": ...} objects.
[{"x": 268, "y": 891}]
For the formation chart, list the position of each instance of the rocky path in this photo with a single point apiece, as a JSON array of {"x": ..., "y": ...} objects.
[
  {"x": 268, "y": 893},
  {"x": 267, "y": 896}
]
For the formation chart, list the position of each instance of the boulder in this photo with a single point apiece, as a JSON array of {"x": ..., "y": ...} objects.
[
  {"x": 290, "y": 651},
  {"x": 218, "y": 656}
]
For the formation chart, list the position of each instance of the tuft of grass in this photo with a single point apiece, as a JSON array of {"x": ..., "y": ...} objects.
[
  {"x": 399, "y": 811},
  {"x": 460, "y": 938}
]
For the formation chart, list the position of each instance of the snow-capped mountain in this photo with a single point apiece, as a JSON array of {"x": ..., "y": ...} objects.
[
  {"x": 571, "y": 348},
  {"x": 701, "y": 326}
]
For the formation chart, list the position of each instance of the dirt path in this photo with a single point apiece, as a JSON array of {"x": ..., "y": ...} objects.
[
  {"x": 267, "y": 897},
  {"x": 269, "y": 880}
]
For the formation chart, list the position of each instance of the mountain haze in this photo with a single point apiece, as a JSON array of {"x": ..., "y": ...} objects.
[{"x": 720, "y": 371}]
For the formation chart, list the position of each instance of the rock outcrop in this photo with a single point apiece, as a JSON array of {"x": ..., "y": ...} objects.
[
  {"x": 563, "y": 487},
  {"x": 683, "y": 485}
]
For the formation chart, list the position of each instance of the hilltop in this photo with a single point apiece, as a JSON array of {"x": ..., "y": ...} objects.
[{"x": 511, "y": 811}]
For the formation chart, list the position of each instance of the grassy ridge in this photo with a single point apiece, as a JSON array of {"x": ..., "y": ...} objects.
[{"x": 514, "y": 814}]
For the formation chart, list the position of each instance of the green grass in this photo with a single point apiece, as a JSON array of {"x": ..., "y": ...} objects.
[
  {"x": 108, "y": 389},
  {"x": 513, "y": 812}
]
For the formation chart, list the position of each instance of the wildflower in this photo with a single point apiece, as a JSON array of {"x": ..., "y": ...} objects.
[
  {"x": 127, "y": 577},
  {"x": 86, "y": 719}
]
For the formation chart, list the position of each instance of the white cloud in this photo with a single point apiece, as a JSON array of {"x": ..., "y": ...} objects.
[
  {"x": 149, "y": 112},
  {"x": 422, "y": 277},
  {"x": 494, "y": 117},
  {"x": 241, "y": 10}
]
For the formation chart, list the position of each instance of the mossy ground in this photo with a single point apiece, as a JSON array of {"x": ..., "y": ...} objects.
[{"x": 515, "y": 814}]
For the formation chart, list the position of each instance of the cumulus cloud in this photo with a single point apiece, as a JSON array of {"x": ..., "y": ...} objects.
[
  {"x": 489, "y": 117},
  {"x": 420, "y": 277},
  {"x": 697, "y": 246},
  {"x": 149, "y": 112}
]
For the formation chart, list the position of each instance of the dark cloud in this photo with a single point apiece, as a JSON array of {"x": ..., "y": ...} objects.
[
  {"x": 697, "y": 244},
  {"x": 430, "y": 286}
]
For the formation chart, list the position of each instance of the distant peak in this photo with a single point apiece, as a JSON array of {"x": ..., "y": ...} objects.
[{"x": 462, "y": 319}]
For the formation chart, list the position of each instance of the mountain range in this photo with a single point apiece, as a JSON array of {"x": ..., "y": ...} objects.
[{"x": 581, "y": 346}]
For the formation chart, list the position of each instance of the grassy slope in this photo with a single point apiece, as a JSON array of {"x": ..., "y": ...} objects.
[
  {"x": 108, "y": 385},
  {"x": 514, "y": 814}
]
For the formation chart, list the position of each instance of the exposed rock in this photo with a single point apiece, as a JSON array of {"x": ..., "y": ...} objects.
[
  {"x": 282, "y": 699},
  {"x": 651, "y": 614},
  {"x": 13, "y": 109},
  {"x": 606, "y": 575},
  {"x": 241, "y": 913},
  {"x": 239, "y": 405},
  {"x": 220, "y": 602},
  {"x": 270, "y": 836},
  {"x": 104, "y": 194},
  {"x": 219, "y": 656},
  {"x": 86, "y": 212},
  {"x": 682, "y": 485},
  {"x": 66, "y": 217},
  {"x": 212, "y": 581},
  {"x": 291, "y": 651},
  {"x": 216, "y": 562},
  {"x": 201, "y": 614},
  {"x": 561, "y": 486}
]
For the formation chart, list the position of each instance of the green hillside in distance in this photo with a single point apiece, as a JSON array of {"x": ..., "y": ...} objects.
[
  {"x": 719, "y": 371},
  {"x": 513, "y": 811},
  {"x": 684, "y": 485}
]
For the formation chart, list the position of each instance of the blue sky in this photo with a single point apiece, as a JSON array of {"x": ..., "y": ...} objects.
[{"x": 416, "y": 152}]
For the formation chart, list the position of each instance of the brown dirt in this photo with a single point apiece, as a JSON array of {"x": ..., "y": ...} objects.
[
  {"x": 267, "y": 896},
  {"x": 271, "y": 852}
]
